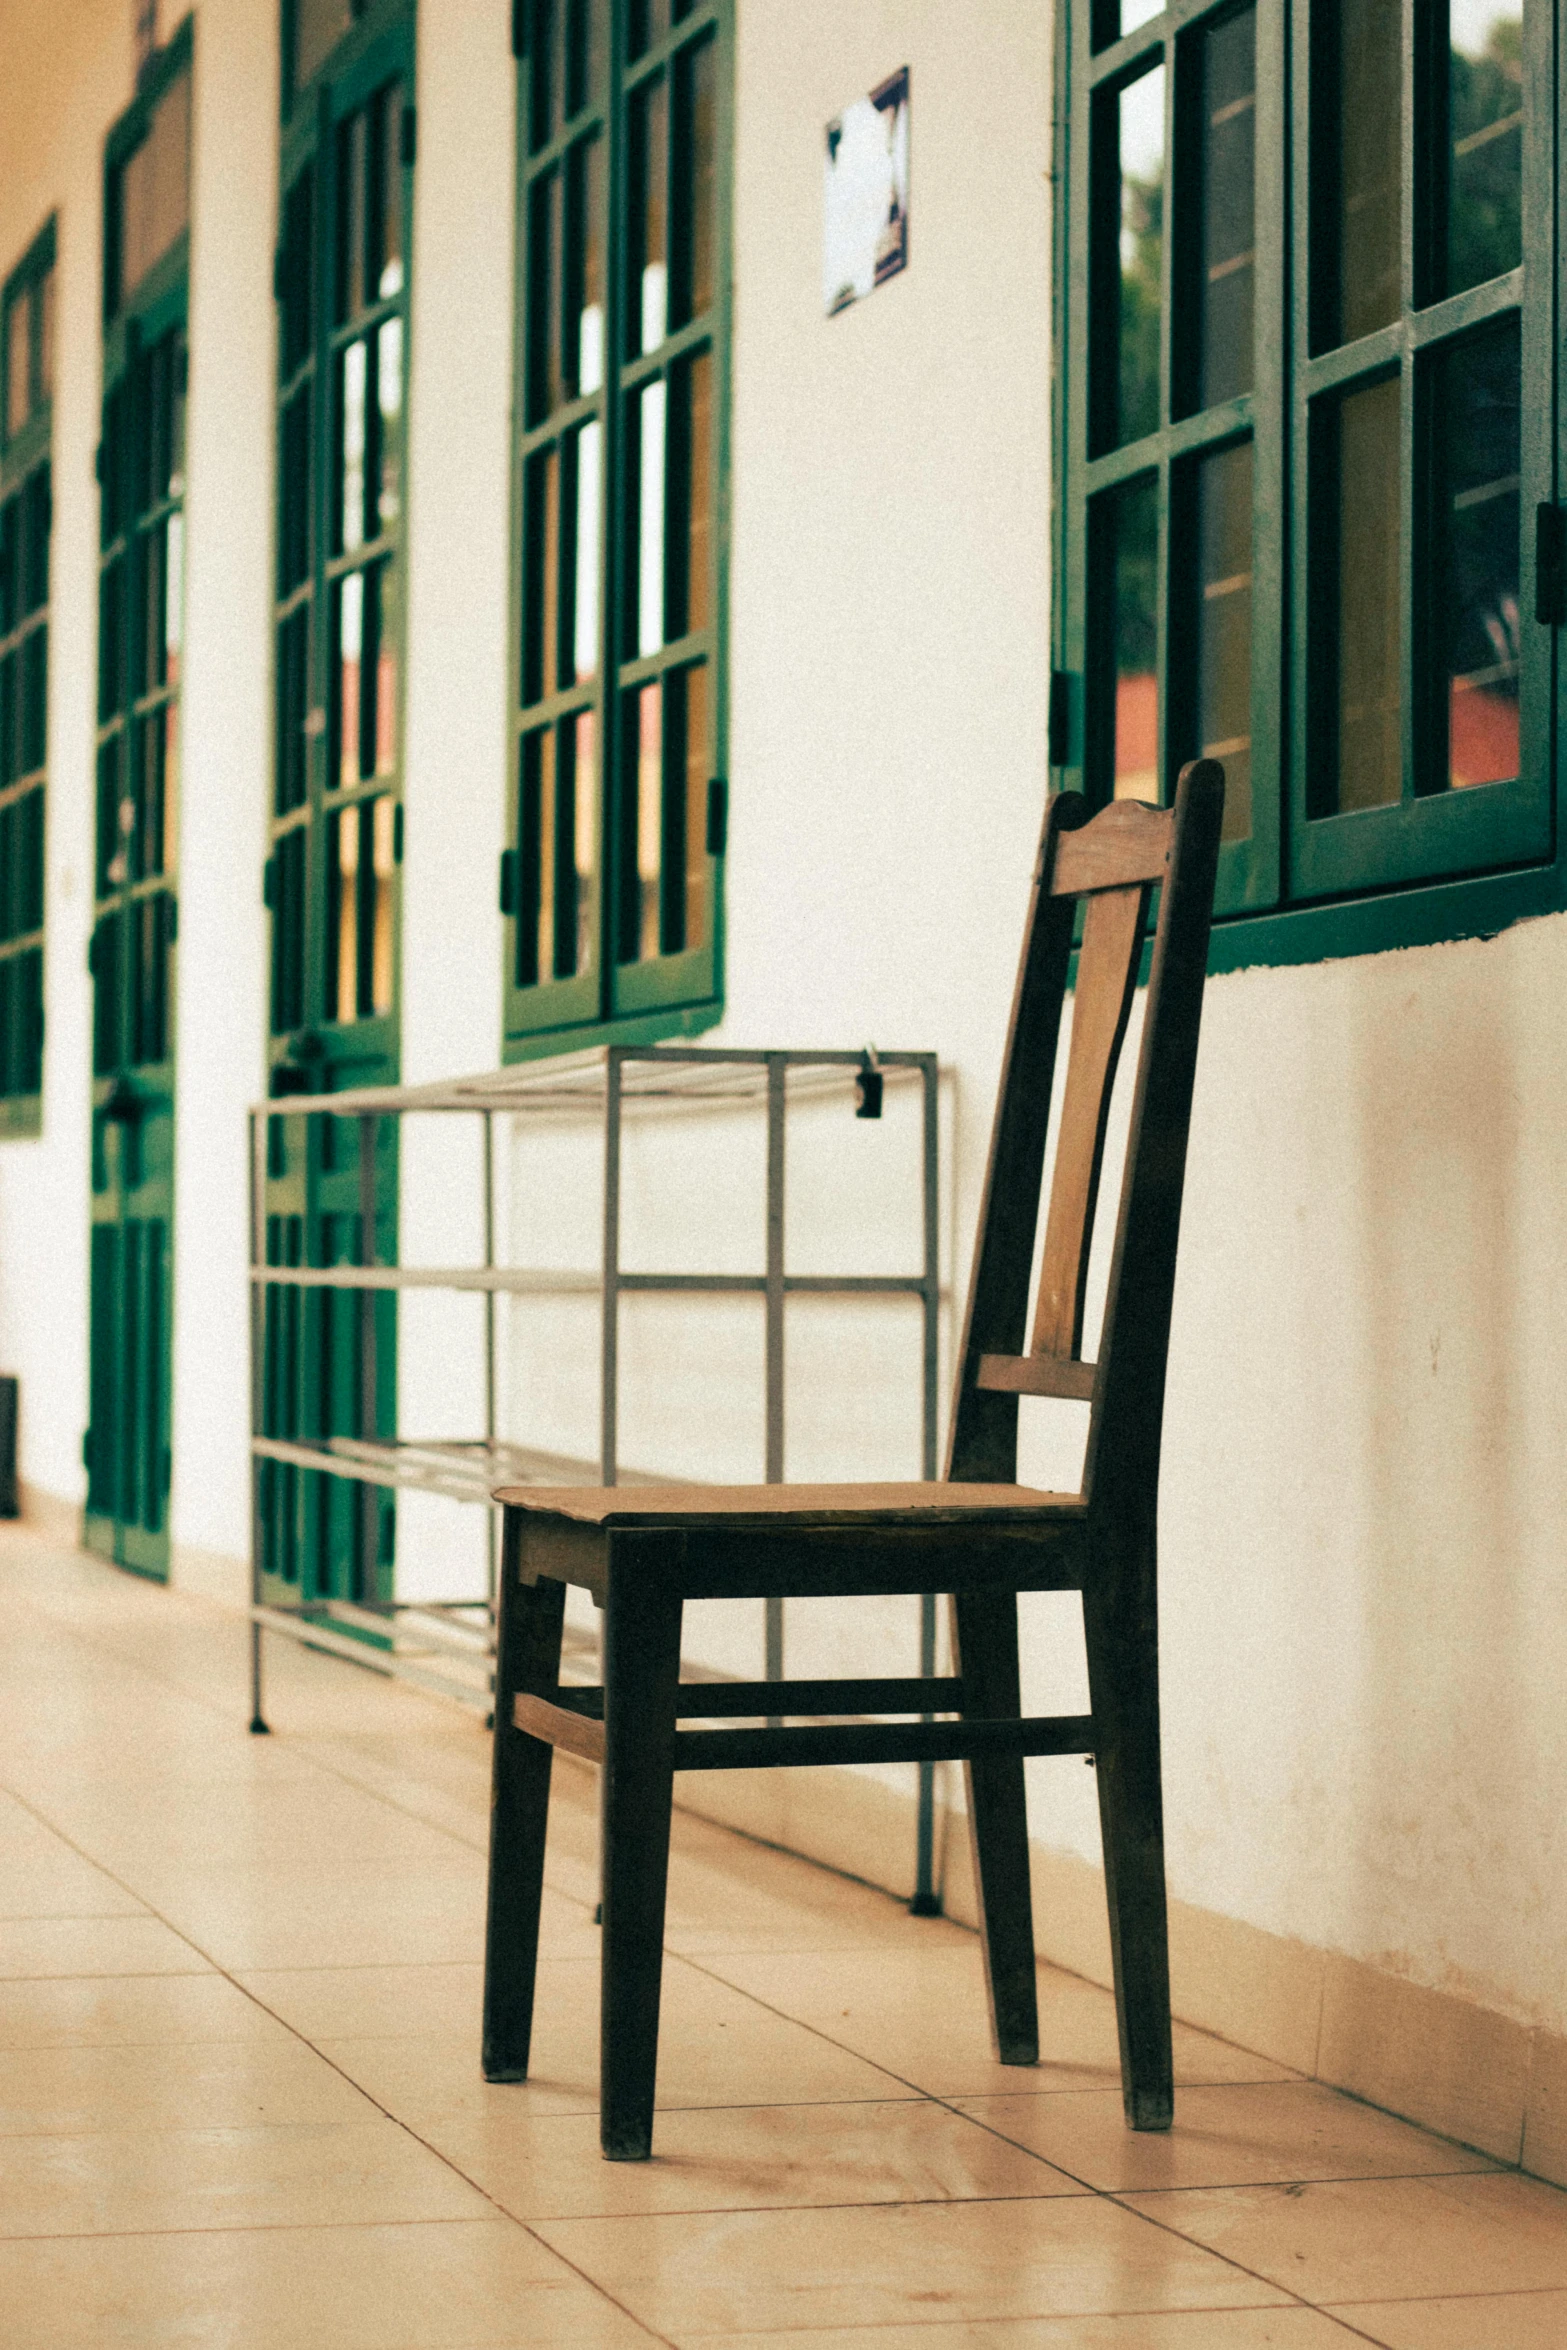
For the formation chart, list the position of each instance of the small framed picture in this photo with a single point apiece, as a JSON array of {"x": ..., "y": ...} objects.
[{"x": 866, "y": 236}]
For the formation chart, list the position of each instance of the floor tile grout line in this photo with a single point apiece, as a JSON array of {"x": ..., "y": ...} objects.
[
  {"x": 404, "y": 2127},
  {"x": 1103, "y": 2194},
  {"x": 207, "y": 1705}
]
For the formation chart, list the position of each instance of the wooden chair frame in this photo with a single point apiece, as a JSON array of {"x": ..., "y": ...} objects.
[{"x": 976, "y": 1535}]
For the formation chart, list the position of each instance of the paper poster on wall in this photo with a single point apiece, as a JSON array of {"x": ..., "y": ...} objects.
[{"x": 866, "y": 237}]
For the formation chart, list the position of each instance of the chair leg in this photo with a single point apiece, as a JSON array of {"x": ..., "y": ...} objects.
[
  {"x": 1123, "y": 1678},
  {"x": 527, "y": 1658},
  {"x": 985, "y": 1638},
  {"x": 641, "y": 1674}
]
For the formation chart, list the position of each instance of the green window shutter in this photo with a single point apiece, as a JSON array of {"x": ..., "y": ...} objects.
[
  {"x": 612, "y": 889},
  {"x": 332, "y": 875},
  {"x": 26, "y": 519}
]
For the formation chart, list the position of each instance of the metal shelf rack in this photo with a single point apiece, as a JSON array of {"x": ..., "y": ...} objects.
[{"x": 447, "y": 1646}]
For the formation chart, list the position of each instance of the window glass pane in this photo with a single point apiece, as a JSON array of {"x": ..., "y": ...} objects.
[
  {"x": 1485, "y": 116},
  {"x": 584, "y": 356},
  {"x": 1140, "y": 121},
  {"x": 642, "y": 825},
  {"x": 543, "y": 71},
  {"x": 1224, "y": 518},
  {"x": 1368, "y": 769},
  {"x": 349, "y": 654},
  {"x": 318, "y": 27},
  {"x": 1475, "y": 412},
  {"x": 687, "y": 765},
  {"x": 173, "y": 615},
  {"x": 384, "y": 196},
  {"x": 17, "y": 405},
  {"x": 378, "y": 718},
  {"x": 43, "y": 297},
  {"x": 351, "y": 145},
  {"x": 1229, "y": 114},
  {"x": 559, "y": 815},
  {"x": 586, "y": 46},
  {"x": 696, "y": 181},
  {"x": 575, "y": 861},
  {"x": 649, "y": 307},
  {"x": 651, "y": 408},
  {"x": 389, "y": 419},
  {"x": 376, "y": 883},
  {"x": 154, "y": 188},
  {"x": 353, "y": 369},
  {"x": 689, "y": 517},
  {"x": 1359, "y": 109},
  {"x": 1134, "y": 522},
  {"x": 541, "y": 585},
  {"x": 587, "y": 462},
  {"x": 343, "y": 912},
  {"x": 649, "y": 23},
  {"x": 544, "y": 257}
]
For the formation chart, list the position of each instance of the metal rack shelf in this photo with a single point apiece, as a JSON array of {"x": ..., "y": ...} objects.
[{"x": 446, "y": 1646}]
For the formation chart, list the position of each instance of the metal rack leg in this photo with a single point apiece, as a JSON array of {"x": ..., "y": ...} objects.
[{"x": 260, "y": 1727}]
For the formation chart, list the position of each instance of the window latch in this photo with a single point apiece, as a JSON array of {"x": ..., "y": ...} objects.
[{"x": 1550, "y": 566}]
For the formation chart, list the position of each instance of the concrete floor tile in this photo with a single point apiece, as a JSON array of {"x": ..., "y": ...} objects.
[
  {"x": 1275, "y": 2328},
  {"x": 1379, "y": 2239},
  {"x": 134, "y": 2011},
  {"x": 728, "y": 2158},
  {"x": 94, "y": 1946},
  {"x": 1231, "y": 2136},
  {"x": 766, "y": 2271},
  {"x": 446, "y": 2285},
  {"x": 215, "y": 2084},
  {"x": 149, "y": 2181},
  {"x": 921, "y": 2012},
  {"x": 372, "y": 2002},
  {"x": 1481, "y": 2321},
  {"x": 716, "y": 2047}
]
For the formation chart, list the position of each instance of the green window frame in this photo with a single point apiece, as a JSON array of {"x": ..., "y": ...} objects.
[
  {"x": 342, "y": 286},
  {"x": 133, "y": 956},
  {"x": 333, "y": 869},
  {"x": 26, "y": 406},
  {"x": 1306, "y": 474},
  {"x": 611, "y": 880}
]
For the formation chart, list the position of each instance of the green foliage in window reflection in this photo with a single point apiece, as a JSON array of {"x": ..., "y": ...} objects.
[{"x": 1484, "y": 210}]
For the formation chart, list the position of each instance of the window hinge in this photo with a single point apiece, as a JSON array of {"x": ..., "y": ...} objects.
[
  {"x": 1550, "y": 566},
  {"x": 508, "y": 881},
  {"x": 717, "y": 816},
  {"x": 1060, "y": 719},
  {"x": 410, "y": 147},
  {"x": 519, "y": 28}
]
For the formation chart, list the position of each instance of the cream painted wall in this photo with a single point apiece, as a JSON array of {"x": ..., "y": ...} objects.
[{"x": 227, "y": 718}]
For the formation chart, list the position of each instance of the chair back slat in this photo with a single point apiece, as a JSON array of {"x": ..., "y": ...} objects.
[
  {"x": 1106, "y": 978},
  {"x": 1113, "y": 861}
]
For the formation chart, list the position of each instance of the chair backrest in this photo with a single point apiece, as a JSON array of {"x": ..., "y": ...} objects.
[{"x": 1111, "y": 862}]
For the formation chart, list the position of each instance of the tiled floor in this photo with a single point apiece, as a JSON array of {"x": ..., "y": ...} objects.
[{"x": 240, "y": 2102}]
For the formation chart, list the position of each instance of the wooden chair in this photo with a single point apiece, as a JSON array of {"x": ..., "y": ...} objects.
[{"x": 643, "y": 1551}]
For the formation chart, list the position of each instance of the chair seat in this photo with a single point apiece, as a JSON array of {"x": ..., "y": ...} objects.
[{"x": 666, "y": 1507}]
